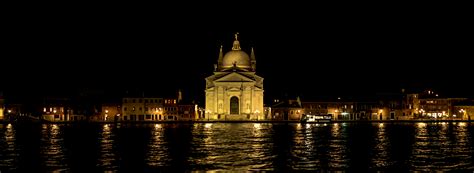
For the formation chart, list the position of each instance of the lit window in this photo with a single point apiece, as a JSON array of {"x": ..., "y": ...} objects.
[
  {"x": 133, "y": 109},
  {"x": 44, "y": 109},
  {"x": 174, "y": 101}
]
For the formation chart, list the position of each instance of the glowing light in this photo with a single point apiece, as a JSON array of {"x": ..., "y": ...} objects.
[
  {"x": 336, "y": 124},
  {"x": 381, "y": 110},
  {"x": 462, "y": 124},
  {"x": 257, "y": 125},
  {"x": 381, "y": 125},
  {"x": 157, "y": 126},
  {"x": 9, "y": 126},
  {"x": 9, "y": 111},
  {"x": 106, "y": 111},
  {"x": 421, "y": 125},
  {"x": 208, "y": 125}
]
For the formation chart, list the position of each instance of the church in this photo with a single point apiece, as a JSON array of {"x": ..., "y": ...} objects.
[{"x": 234, "y": 92}]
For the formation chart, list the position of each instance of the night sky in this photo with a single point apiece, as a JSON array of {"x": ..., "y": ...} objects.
[{"x": 337, "y": 56}]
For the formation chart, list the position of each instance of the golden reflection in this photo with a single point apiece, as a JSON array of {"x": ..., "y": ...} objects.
[
  {"x": 157, "y": 154},
  {"x": 52, "y": 145},
  {"x": 298, "y": 126},
  {"x": 9, "y": 153},
  {"x": 208, "y": 125},
  {"x": 107, "y": 155},
  {"x": 421, "y": 125},
  {"x": 462, "y": 124},
  {"x": 157, "y": 126},
  {"x": 337, "y": 147},
  {"x": 381, "y": 157},
  {"x": 257, "y": 126}
]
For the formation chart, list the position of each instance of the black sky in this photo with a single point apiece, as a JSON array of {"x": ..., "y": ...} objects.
[{"x": 337, "y": 55}]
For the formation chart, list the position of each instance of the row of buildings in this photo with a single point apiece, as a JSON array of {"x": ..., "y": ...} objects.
[
  {"x": 425, "y": 105},
  {"x": 63, "y": 109}
]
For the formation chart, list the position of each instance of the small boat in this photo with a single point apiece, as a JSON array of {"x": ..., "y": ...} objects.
[{"x": 316, "y": 118}]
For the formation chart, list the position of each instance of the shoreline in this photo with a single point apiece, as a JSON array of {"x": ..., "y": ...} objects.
[{"x": 263, "y": 121}]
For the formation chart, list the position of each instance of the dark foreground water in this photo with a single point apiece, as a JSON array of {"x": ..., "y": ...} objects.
[{"x": 236, "y": 146}]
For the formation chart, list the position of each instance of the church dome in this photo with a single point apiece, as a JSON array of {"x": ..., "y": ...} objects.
[{"x": 239, "y": 57}]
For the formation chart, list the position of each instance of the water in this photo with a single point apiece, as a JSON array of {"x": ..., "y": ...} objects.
[{"x": 236, "y": 146}]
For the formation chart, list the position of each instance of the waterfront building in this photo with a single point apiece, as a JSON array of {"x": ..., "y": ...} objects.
[
  {"x": 234, "y": 91},
  {"x": 141, "y": 109}
]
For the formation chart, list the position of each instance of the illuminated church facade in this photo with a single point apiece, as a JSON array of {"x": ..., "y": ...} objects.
[{"x": 234, "y": 91}]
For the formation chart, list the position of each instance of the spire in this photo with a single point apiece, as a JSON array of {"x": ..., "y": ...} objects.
[
  {"x": 236, "y": 42},
  {"x": 221, "y": 55},
  {"x": 252, "y": 60},
  {"x": 180, "y": 96},
  {"x": 252, "y": 55}
]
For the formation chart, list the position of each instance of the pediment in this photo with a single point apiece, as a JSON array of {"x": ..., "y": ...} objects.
[{"x": 234, "y": 77}]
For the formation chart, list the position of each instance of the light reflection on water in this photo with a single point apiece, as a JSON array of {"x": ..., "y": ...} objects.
[
  {"x": 441, "y": 146},
  {"x": 243, "y": 147},
  {"x": 52, "y": 148}
]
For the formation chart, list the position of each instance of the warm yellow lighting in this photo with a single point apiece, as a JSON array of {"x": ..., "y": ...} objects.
[
  {"x": 298, "y": 111},
  {"x": 421, "y": 125},
  {"x": 44, "y": 109},
  {"x": 381, "y": 125},
  {"x": 208, "y": 125},
  {"x": 381, "y": 110},
  {"x": 106, "y": 111},
  {"x": 462, "y": 124},
  {"x": 54, "y": 111},
  {"x": 257, "y": 125},
  {"x": 335, "y": 110},
  {"x": 9, "y": 111}
]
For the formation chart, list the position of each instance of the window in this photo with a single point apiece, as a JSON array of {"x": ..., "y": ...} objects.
[
  {"x": 125, "y": 108},
  {"x": 174, "y": 101},
  {"x": 140, "y": 108},
  {"x": 133, "y": 109},
  {"x": 133, "y": 100},
  {"x": 139, "y": 100},
  {"x": 146, "y": 108},
  {"x": 146, "y": 100},
  {"x": 148, "y": 116}
]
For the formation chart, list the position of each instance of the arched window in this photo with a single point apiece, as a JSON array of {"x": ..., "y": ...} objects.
[{"x": 234, "y": 105}]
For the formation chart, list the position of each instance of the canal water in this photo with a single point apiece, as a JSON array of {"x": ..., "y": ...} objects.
[{"x": 236, "y": 146}]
